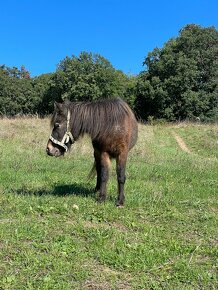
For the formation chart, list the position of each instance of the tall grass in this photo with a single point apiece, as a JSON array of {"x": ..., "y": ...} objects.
[{"x": 53, "y": 234}]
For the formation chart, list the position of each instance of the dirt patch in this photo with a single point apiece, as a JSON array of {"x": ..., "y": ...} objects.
[
  {"x": 181, "y": 143},
  {"x": 106, "y": 278},
  {"x": 105, "y": 286}
]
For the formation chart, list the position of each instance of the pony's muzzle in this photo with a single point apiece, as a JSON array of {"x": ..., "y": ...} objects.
[{"x": 53, "y": 150}]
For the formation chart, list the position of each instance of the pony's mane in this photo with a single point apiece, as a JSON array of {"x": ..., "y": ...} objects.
[{"x": 98, "y": 118}]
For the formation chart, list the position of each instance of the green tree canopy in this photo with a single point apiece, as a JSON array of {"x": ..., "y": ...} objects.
[
  {"x": 181, "y": 79},
  {"x": 16, "y": 92},
  {"x": 87, "y": 77}
]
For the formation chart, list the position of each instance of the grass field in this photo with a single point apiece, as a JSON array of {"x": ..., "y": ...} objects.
[{"x": 53, "y": 234}]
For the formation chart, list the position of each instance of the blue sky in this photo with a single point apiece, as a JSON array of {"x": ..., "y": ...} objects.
[{"x": 40, "y": 33}]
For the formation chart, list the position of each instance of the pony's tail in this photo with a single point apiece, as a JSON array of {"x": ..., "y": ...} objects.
[{"x": 92, "y": 172}]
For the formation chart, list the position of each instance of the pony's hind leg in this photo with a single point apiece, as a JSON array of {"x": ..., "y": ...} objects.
[
  {"x": 121, "y": 177},
  {"x": 103, "y": 175},
  {"x": 98, "y": 170}
]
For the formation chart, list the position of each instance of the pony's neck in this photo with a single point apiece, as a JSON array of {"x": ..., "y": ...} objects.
[{"x": 81, "y": 120}]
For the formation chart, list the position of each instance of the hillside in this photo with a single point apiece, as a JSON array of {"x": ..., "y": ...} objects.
[{"x": 53, "y": 234}]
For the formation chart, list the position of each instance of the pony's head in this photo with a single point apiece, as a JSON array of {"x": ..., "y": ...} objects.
[{"x": 61, "y": 137}]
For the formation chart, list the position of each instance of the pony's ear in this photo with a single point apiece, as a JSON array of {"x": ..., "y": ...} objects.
[{"x": 58, "y": 106}]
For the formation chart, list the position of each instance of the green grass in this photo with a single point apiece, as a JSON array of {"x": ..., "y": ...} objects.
[{"x": 53, "y": 234}]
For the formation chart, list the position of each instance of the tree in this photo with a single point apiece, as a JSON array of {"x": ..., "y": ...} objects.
[
  {"x": 87, "y": 77},
  {"x": 24, "y": 74},
  {"x": 181, "y": 80},
  {"x": 17, "y": 95},
  {"x": 41, "y": 86}
]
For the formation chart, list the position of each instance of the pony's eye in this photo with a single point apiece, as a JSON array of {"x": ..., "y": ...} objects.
[{"x": 56, "y": 125}]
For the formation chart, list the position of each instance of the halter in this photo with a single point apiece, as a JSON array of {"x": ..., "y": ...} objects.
[{"x": 67, "y": 136}]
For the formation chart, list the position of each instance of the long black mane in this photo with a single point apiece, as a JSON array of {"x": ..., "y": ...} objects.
[{"x": 99, "y": 118}]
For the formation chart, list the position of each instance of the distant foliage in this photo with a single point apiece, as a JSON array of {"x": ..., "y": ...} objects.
[
  {"x": 19, "y": 93},
  {"x": 181, "y": 79},
  {"x": 85, "y": 78}
]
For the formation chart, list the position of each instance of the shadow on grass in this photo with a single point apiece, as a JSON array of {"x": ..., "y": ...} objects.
[{"x": 59, "y": 190}]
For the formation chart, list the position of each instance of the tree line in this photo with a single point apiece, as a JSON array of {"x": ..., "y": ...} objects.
[{"x": 179, "y": 81}]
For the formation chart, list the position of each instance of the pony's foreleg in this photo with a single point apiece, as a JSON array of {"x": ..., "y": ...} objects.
[
  {"x": 121, "y": 177},
  {"x": 98, "y": 170},
  {"x": 104, "y": 175}
]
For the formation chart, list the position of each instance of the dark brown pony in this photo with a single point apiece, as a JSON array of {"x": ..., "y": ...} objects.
[{"x": 112, "y": 127}]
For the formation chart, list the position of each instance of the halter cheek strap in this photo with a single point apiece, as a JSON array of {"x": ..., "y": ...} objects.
[{"x": 67, "y": 136}]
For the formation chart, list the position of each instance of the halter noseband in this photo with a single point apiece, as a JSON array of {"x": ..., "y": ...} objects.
[{"x": 67, "y": 136}]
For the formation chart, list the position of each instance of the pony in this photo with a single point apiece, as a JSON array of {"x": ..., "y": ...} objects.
[{"x": 113, "y": 129}]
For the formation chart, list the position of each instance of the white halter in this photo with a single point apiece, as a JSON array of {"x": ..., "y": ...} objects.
[{"x": 67, "y": 136}]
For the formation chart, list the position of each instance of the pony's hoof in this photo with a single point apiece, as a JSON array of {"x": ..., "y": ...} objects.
[
  {"x": 101, "y": 199},
  {"x": 120, "y": 203}
]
